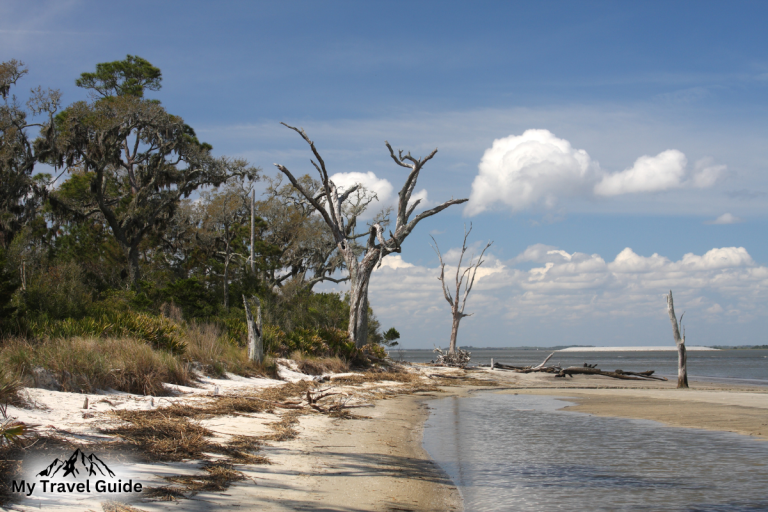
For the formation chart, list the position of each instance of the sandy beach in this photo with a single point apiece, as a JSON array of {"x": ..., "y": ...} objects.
[{"x": 376, "y": 461}]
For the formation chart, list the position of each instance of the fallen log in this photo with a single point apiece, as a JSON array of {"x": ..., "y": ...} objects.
[{"x": 618, "y": 374}]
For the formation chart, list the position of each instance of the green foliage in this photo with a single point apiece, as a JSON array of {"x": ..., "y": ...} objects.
[
  {"x": 21, "y": 192},
  {"x": 305, "y": 310},
  {"x": 8, "y": 285},
  {"x": 159, "y": 332},
  {"x": 391, "y": 337},
  {"x": 57, "y": 292},
  {"x": 195, "y": 300},
  {"x": 129, "y": 77}
]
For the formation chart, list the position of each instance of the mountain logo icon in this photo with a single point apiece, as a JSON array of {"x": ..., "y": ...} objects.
[{"x": 78, "y": 464}]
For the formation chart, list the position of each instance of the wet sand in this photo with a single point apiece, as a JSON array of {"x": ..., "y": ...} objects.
[{"x": 711, "y": 406}]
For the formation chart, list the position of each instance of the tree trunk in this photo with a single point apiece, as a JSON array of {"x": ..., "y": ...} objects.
[
  {"x": 226, "y": 269},
  {"x": 226, "y": 285},
  {"x": 253, "y": 229},
  {"x": 358, "y": 304},
  {"x": 255, "y": 341},
  {"x": 682, "y": 371},
  {"x": 134, "y": 271},
  {"x": 454, "y": 331}
]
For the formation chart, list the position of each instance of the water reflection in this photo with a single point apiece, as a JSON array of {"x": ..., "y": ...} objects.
[{"x": 519, "y": 452}]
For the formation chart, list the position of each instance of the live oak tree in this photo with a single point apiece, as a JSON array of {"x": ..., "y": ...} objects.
[
  {"x": 330, "y": 201},
  {"x": 21, "y": 192},
  {"x": 457, "y": 301},
  {"x": 305, "y": 251},
  {"x": 224, "y": 229},
  {"x": 682, "y": 369},
  {"x": 139, "y": 161}
]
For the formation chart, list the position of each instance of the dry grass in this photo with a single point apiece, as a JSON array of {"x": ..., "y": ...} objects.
[
  {"x": 319, "y": 365},
  {"x": 88, "y": 364},
  {"x": 217, "y": 355},
  {"x": 284, "y": 430},
  {"x": 241, "y": 448},
  {"x": 159, "y": 435},
  {"x": 116, "y": 506},
  {"x": 10, "y": 386},
  {"x": 379, "y": 376},
  {"x": 217, "y": 477}
]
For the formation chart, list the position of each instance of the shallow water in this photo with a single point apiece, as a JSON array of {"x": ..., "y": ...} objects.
[
  {"x": 518, "y": 452},
  {"x": 735, "y": 366}
]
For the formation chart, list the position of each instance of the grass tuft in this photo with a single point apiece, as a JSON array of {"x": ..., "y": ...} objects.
[
  {"x": 10, "y": 386},
  {"x": 88, "y": 364},
  {"x": 318, "y": 365}
]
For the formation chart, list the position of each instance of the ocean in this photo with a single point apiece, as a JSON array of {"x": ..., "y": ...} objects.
[
  {"x": 735, "y": 366},
  {"x": 523, "y": 453},
  {"x": 520, "y": 452}
]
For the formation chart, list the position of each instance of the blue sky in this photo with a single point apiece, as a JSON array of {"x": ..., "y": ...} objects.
[{"x": 656, "y": 112}]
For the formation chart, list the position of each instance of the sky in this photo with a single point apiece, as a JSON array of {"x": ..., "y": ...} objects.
[{"x": 612, "y": 151}]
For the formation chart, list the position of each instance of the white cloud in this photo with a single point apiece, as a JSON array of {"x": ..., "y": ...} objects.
[
  {"x": 533, "y": 168},
  {"x": 537, "y": 169},
  {"x": 665, "y": 171},
  {"x": 649, "y": 174},
  {"x": 725, "y": 218},
  {"x": 394, "y": 261},
  {"x": 706, "y": 173},
  {"x": 575, "y": 293},
  {"x": 380, "y": 186}
]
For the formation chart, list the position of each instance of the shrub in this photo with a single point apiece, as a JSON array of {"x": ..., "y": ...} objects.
[
  {"x": 57, "y": 292},
  {"x": 8, "y": 285},
  {"x": 193, "y": 298},
  {"x": 159, "y": 332}
]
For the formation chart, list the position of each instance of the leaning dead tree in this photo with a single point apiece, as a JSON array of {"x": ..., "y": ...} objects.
[
  {"x": 329, "y": 204},
  {"x": 456, "y": 301},
  {"x": 682, "y": 370}
]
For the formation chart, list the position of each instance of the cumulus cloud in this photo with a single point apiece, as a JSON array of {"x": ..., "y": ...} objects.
[
  {"x": 537, "y": 169},
  {"x": 380, "y": 186},
  {"x": 725, "y": 218},
  {"x": 649, "y": 174},
  {"x": 665, "y": 171},
  {"x": 533, "y": 168},
  {"x": 564, "y": 289}
]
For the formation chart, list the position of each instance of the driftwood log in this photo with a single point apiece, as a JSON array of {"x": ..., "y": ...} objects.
[
  {"x": 617, "y": 374},
  {"x": 587, "y": 369}
]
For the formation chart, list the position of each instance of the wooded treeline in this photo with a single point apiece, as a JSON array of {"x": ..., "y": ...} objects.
[{"x": 113, "y": 207}]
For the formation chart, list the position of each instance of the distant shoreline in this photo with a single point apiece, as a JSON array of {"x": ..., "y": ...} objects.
[{"x": 635, "y": 349}]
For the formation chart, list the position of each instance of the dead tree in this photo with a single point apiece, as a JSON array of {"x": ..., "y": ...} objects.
[
  {"x": 255, "y": 338},
  {"x": 458, "y": 303},
  {"x": 682, "y": 370},
  {"x": 329, "y": 203}
]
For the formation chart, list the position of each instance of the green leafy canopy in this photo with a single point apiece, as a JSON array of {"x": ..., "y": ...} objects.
[{"x": 129, "y": 77}]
